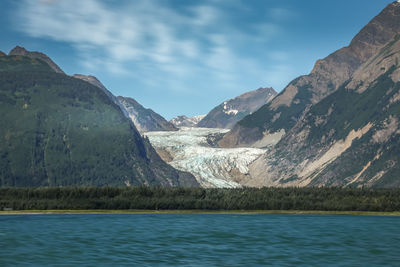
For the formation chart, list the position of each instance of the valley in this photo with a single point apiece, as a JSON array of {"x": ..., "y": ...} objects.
[
  {"x": 336, "y": 126},
  {"x": 199, "y": 133}
]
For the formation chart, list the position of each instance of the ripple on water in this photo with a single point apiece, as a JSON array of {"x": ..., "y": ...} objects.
[{"x": 198, "y": 240}]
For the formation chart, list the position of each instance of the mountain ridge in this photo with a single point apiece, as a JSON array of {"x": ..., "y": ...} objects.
[
  {"x": 184, "y": 121},
  {"x": 145, "y": 119},
  {"x": 231, "y": 111}
]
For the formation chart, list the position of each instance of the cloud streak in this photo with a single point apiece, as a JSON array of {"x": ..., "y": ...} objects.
[{"x": 135, "y": 37}]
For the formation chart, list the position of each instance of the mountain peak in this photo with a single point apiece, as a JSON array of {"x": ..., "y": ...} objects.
[
  {"x": 2, "y": 54},
  {"x": 18, "y": 51},
  {"x": 228, "y": 113},
  {"x": 378, "y": 31},
  {"x": 21, "y": 51},
  {"x": 366, "y": 43}
]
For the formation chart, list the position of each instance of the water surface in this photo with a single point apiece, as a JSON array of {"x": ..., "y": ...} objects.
[{"x": 199, "y": 240}]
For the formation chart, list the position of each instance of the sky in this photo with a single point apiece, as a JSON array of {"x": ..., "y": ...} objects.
[{"x": 185, "y": 56}]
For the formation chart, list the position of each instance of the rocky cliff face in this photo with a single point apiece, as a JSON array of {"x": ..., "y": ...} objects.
[
  {"x": 20, "y": 51},
  {"x": 350, "y": 138},
  {"x": 145, "y": 119},
  {"x": 183, "y": 121},
  {"x": 285, "y": 110},
  {"x": 228, "y": 113}
]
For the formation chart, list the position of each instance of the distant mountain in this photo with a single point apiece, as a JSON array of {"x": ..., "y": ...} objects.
[
  {"x": 183, "y": 121},
  {"x": 57, "y": 130},
  {"x": 2, "y": 54},
  {"x": 144, "y": 119},
  {"x": 20, "y": 51},
  {"x": 268, "y": 124},
  {"x": 228, "y": 113}
]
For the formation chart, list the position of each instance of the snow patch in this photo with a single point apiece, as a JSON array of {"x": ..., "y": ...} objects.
[
  {"x": 231, "y": 111},
  {"x": 228, "y": 110},
  {"x": 183, "y": 121}
]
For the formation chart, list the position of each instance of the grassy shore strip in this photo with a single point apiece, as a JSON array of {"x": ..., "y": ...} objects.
[{"x": 238, "y": 212}]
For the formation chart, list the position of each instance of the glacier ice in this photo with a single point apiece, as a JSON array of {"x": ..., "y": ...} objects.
[{"x": 212, "y": 167}]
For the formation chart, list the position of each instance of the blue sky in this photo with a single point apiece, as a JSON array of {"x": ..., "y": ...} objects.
[{"x": 185, "y": 56}]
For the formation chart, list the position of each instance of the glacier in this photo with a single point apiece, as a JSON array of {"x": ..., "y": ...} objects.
[{"x": 190, "y": 150}]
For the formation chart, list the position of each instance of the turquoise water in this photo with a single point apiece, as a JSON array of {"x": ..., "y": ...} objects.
[{"x": 199, "y": 240}]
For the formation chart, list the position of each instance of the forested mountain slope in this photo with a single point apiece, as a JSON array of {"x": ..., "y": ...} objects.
[{"x": 58, "y": 131}]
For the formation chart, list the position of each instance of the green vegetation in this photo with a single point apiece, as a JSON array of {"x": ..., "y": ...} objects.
[
  {"x": 158, "y": 198},
  {"x": 238, "y": 212},
  {"x": 351, "y": 110},
  {"x": 263, "y": 118},
  {"x": 58, "y": 131},
  {"x": 21, "y": 63}
]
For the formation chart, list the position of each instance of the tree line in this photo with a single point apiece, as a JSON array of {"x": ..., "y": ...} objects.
[{"x": 177, "y": 198}]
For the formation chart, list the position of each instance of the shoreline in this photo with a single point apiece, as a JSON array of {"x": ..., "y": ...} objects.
[{"x": 233, "y": 212}]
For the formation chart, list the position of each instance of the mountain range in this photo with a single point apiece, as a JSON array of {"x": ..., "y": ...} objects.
[
  {"x": 228, "y": 113},
  {"x": 184, "y": 121},
  {"x": 337, "y": 126}
]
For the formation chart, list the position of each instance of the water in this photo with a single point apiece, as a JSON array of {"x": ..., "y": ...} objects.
[{"x": 199, "y": 240}]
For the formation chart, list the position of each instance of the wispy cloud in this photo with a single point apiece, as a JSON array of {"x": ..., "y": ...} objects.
[
  {"x": 279, "y": 13},
  {"x": 141, "y": 36}
]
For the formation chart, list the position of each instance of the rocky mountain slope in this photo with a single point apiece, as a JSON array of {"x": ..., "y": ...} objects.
[
  {"x": 341, "y": 122},
  {"x": 57, "y": 130},
  {"x": 228, "y": 113},
  {"x": 267, "y": 125},
  {"x": 350, "y": 138},
  {"x": 183, "y": 121},
  {"x": 145, "y": 119}
]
